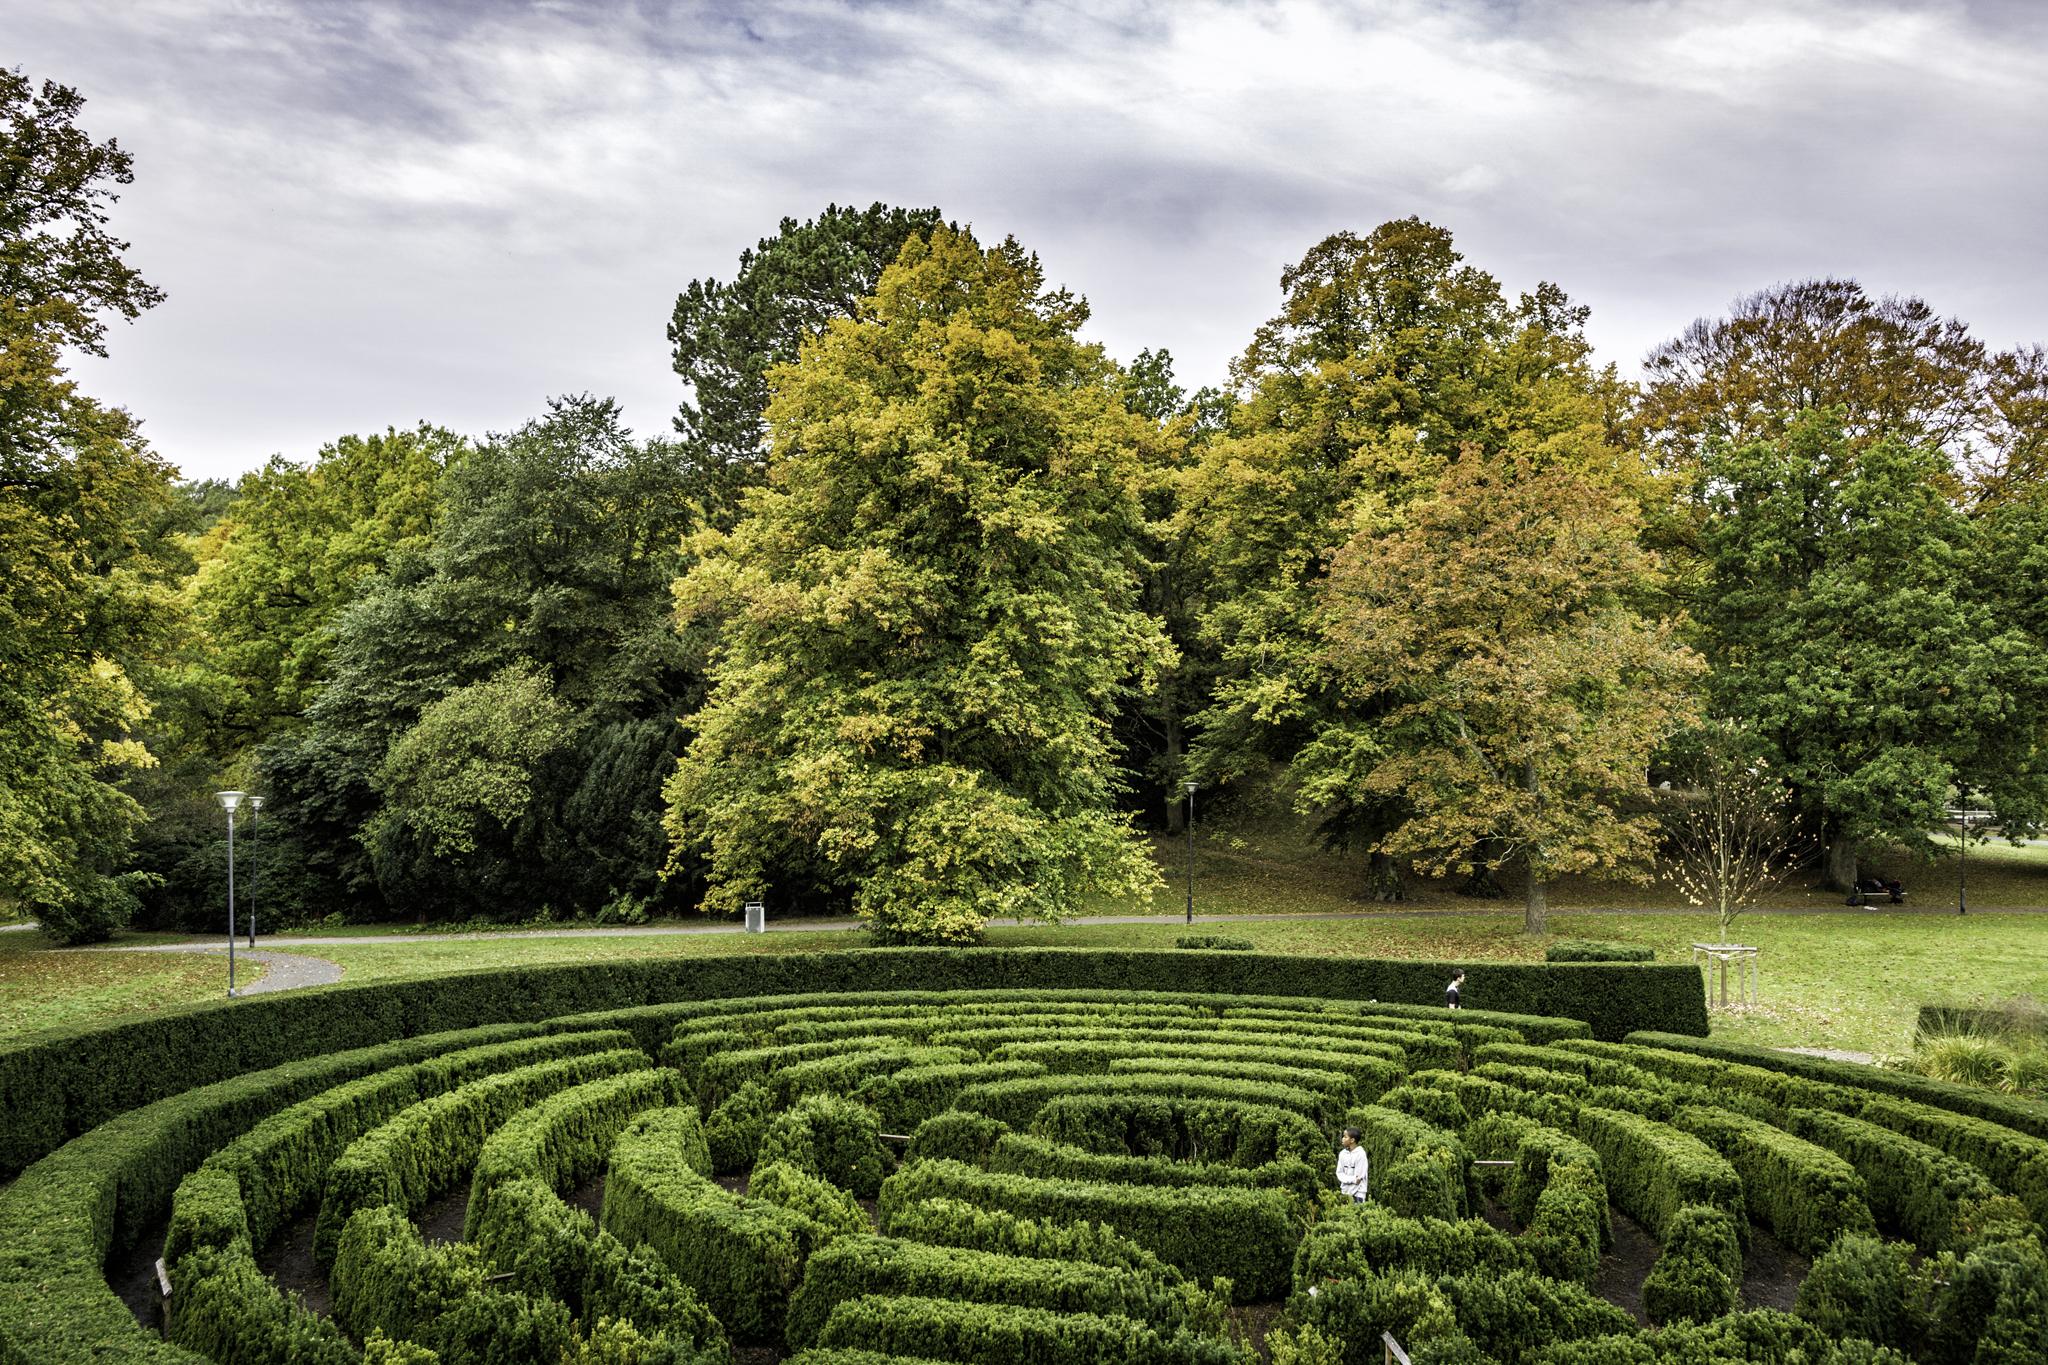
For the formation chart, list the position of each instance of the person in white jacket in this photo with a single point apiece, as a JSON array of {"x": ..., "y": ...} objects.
[{"x": 1354, "y": 1170}]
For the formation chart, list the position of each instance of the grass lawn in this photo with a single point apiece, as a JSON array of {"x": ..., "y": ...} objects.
[
  {"x": 43, "y": 987},
  {"x": 1830, "y": 977}
]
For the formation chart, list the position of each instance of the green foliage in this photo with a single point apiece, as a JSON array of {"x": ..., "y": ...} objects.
[
  {"x": 1247, "y": 1235},
  {"x": 1417, "y": 1169},
  {"x": 951, "y": 1222},
  {"x": 1228, "y": 943},
  {"x": 928, "y": 616},
  {"x": 1369, "y": 1239},
  {"x": 1912, "y": 1188},
  {"x": 1004, "y": 1334},
  {"x": 565, "y": 1139},
  {"x": 428, "y": 1147},
  {"x": 1017, "y": 1102},
  {"x": 831, "y": 1208},
  {"x": 1653, "y": 1170},
  {"x": 734, "y": 1130},
  {"x": 1182, "y": 1126},
  {"x": 387, "y": 1279},
  {"x": 225, "y": 1308},
  {"x": 831, "y": 1137},
  {"x": 742, "y": 1257},
  {"x": 957, "y": 1135},
  {"x": 1592, "y": 950},
  {"x": 2017, "y": 1162},
  {"x": 727, "y": 337},
  {"x": 1699, "y": 1274},
  {"x": 855, "y": 1266},
  {"x": 1023, "y": 1154},
  {"x": 1864, "y": 1287},
  {"x": 907, "y": 1098},
  {"x": 1829, "y": 557},
  {"x": 1806, "y": 1193}
]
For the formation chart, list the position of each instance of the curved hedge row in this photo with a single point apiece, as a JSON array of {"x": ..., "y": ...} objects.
[
  {"x": 1095, "y": 1175},
  {"x": 61, "y": 1083}
]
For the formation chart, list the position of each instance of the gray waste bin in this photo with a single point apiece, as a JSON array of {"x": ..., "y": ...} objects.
[{"x": 757, "y": 917}]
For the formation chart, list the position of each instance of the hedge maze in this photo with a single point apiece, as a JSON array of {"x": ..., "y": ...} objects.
[{"x": 1037, "y": 1176}]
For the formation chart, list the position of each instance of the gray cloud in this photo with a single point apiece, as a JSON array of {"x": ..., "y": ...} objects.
[{"x": 372, "y": 213}]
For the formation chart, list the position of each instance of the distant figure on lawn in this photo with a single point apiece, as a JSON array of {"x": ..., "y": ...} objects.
[
  {"x": 1354, "y": 1171},
  {"x": 1451, "y": 991}
]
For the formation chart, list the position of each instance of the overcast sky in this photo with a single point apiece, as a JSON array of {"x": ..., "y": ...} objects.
[{"x": 369, "y": 214}]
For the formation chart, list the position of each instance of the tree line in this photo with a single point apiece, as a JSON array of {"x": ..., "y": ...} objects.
[{"x": 925, "y": 597}]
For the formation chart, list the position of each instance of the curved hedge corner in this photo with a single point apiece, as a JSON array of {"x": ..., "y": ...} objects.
[{"x": 64, "y": 1082}]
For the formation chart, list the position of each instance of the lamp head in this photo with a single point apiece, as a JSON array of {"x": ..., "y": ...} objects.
[
  {"x": 228, "y": 800},
  {"x": 1188, "y": 787},
  {"x": 255, "y": 803}
]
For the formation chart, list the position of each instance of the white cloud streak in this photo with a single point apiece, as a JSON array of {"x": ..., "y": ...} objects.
[{"x": 372, "y": 213}]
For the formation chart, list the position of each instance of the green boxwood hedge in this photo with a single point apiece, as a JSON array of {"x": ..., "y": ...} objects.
[
  {"x": 1370, "y": 1239},
  {"x": 427, "y": 1148},
  {"x": 1246, "y": 1235},
  {"x": 742, "y": 1257},
  {"x": 1023, "y": 1154},
  {"x": 63, "y": 1082},
  {"x": 1003, "y": 1334},
  {"x": 1415, "y": 1168},
  {"x": 906, "y": 1098},
  {"x": 834, "y": 1138},
  {"x": 1594, "y": 950},
  {"x": 1912, "y": 1188},
  {"x": 1182, "y": 1126},
  {"x": 2011, "y": 1111},
  {"x": 566, "y": 1139},
  {"x": 955, "y": 1223},
  {"x": 1653, "y": 1170},
  {"x": 855, "y": 1266},
  {"x": 1803, "y": 1192}
]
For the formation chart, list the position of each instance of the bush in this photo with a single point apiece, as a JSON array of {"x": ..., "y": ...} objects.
[
  {"x": 1653, "y": 1170},
  {"x": 741, "y": 1257},
  {"x": 1992, "y": 1307},
  {"x": 1369, "y": 1239},
  {"x": 952, "y": 1222},
  {"x": 387, "y": 1279},
  {"x": 1700, "y": 1270},
  {"x": 1865, "y": 1287},
  {"x": 736, "y": 1128},
  {"x": 2018, "y": 1162},
  {"x": 823, "y": 1203},
  {"x": 1843, "y": 1083},
  {"x": 1182, "y": 1128},
  {"x": 1911, "y": 1187},
  {"x": 855, "y": 1266},
  {"x": 904, "y": 1099},
  {"x": 1592, "y": 950},
  {"x": 1001, "y": 1334},
  {"x": 1018, "y": 1102},
  {"x": 1019, "y": 1154},
  {"x": 227, "y": 1309},
  {"x": 565, "y": 1139},
  {"x": 1806, "y": 1193},
  {"x": 427, "y": 1147},
  {"x": 835, "y": 1139},
  {"x": 1570, "y": 1225},
  {"x": 1247, "y": 1235},
  {"x": 1225, "y": 943},
  {"x": 552, "y": 1251},
  {"x": 1431, "y": 1105},
  {"x": 1416, "y": 1169},
  {"x": 957, "y": 1136}
]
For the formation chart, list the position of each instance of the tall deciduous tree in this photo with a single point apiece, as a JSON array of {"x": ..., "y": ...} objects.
[
  {"x": 1520, "y": 692},
  {"x": 930, "y": 615},
  {"x": 1390, "y": 356},
  {"x": 1846, "y": 623},
  {"x": 83, "y": 511},
  {"x": 728, "y": 335}
]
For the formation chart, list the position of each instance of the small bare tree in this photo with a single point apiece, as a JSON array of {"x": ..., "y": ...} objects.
[{"x": 1730, "y": 834}]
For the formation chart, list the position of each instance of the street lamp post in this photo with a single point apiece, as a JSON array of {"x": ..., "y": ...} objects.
[
  {"x": 1189, "y": 788},
  {"x": 1963, "y": 861},
  {"x": 228, "y": 801},
  {"x": 255, "y": 819}
]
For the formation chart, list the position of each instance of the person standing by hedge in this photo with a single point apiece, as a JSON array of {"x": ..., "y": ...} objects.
[
  {"x": 1354, "y": 1169},
  {"x": 1451, "y": 991}
]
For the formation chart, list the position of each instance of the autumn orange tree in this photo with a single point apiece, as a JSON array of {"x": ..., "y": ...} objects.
[{"x": 1521, "y": 690}]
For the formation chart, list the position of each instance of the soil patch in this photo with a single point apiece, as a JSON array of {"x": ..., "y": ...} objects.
[
  {"x": 1626, "y": 1265},
  {"x": 441, "y": 1220},
  {"x": 131, "y": 1273},
  {"x": 1771, "y": 1273},
  {"x": 1250, "y": 1323},
  {"x": 588, "y": 1197},
  {"x": 288, "y": 1261}
]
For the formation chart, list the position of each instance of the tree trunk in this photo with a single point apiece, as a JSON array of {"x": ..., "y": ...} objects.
[
  {"x": 1383, "y": 879},
  {"x": 1536, "y": 914},
  {"x": 1177, "y": 799},
  {"x": 1840, "y": 865}
]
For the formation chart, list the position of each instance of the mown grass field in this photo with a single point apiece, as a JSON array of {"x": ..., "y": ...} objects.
[{"x": 1830, "y": 976}]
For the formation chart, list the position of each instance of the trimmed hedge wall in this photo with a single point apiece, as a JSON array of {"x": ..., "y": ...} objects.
[
  {"x": 1182, "y": 1127},
  {"x": 1001, "y": 1334},
  {"x": 64, "y": 1082},
  {"x": 954, "y": 1223},
  {"x": 1653, "y": 1170},
  {"x": 855, "y": 1266},
  {"x": 2027, "y": 1116},
  {"x": 60, "y": 1218},
  {"x": 1369, "y": 1239},
  {"x": 1912, "y": 1188},
  {"x": 1248, "y": 1235},
  {"x": 1805, "y": 1193},
  {"x": 1018, "y": 1102},
  {"x": 567, "y": 1138},
  {"x": 742, "y": 1257}
]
